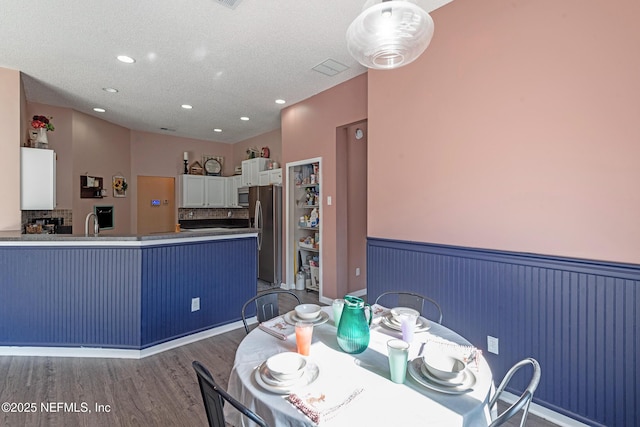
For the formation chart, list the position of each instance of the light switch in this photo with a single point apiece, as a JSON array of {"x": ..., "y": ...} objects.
[{"x": 328, "y": 200}]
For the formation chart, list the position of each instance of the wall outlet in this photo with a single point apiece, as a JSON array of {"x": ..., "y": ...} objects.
[
  {"x": 492, "y": 344},
  {"x": 195, "y": 304},
  {"x": 357, "y": 271}
]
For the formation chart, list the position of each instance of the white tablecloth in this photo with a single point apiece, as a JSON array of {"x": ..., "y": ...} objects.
[{"x": 382, "y": 402}]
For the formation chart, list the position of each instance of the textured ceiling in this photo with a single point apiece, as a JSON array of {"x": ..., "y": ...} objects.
[{"x": 225, "y": 62}]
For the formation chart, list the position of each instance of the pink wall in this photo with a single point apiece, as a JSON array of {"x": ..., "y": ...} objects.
[
  {"x": 162, "y": 155},
  {"x": 11, "y": 102},
  {"x": 357, "y": 207},
  {"x": 100, "y": 149},
  {"x": 515, "y": 130},
  {"x": 61, "y": 141},
  {"x": 308, "y": 131},
  {"x": 272, "y": 139}
]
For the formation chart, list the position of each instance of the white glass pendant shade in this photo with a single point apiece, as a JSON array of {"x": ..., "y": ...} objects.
[{"x": 389, "y": 34}]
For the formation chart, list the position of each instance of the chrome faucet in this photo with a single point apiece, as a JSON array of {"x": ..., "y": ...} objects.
[{"x": 96, "y": 227}]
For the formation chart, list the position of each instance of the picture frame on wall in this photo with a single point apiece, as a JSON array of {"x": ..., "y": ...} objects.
[{"x": 119, "y": 184}]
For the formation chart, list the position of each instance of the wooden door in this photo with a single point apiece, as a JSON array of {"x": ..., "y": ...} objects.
[{"x": 156, "y": 205}]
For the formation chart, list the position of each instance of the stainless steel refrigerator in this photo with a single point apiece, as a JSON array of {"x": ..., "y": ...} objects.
[{"x": 265, "y": 214}]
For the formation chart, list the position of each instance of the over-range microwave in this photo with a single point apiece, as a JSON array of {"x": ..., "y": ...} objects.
[{"x": 243, "y": 197}]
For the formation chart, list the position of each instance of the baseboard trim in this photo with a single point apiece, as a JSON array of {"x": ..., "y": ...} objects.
[
  {"x": 114, "y": 353},
  {"x": 542, "y": 412}
]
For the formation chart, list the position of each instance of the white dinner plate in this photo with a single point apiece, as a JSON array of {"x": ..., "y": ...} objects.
[
  {"x": 416, "y": 374},
  {"x": 291, "y": 318},
  {"x": 388, "y": 321},
  {"x": 311, "y": 372}
]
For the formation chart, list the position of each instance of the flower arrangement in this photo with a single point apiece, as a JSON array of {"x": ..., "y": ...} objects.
[
  {"x": 120, "y": 186},
  {"x": 42, "y": 122}
]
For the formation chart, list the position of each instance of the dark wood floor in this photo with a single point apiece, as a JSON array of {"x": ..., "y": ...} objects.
[{"x": 159, "y": 390}]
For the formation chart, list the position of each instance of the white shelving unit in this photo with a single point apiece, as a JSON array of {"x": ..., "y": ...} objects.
[{"x": 304, "y": 235}]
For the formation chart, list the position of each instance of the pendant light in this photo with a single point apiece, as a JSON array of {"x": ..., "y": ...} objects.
[{"x": 389, "y": 34}]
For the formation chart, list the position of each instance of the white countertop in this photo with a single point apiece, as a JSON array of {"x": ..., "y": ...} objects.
[{"x": 15, "y": 238}]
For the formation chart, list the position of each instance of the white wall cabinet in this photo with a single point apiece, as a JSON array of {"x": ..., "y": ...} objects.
[
  {"x": 199, "y": 191},
  {"x": 272, "y": 176},
  {"x": 232, "y": 185},
  {"x": 275, "y": 176},
  {"x": 263, "y": 178},
  {"x": 229, "y": 191},
  {"x": 37, "y": 179},
  {"x": 215, "y": 191},
  {"x": 251, "y": 170}
]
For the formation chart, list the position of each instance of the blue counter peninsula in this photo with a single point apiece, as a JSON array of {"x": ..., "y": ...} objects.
[{"x": 121, "y": 296}]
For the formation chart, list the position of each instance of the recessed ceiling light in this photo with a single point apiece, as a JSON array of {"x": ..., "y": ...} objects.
[
  {"x": 99, "y": 110},
  {"x": 280, "y": 101},
  {"x": 187, "y": 106},
  {"x": 244, "y": 118},
  {"x": 110, "y": 89},
  {"x": 217, "y": 130},
  {"x": 126, "y": 59}
]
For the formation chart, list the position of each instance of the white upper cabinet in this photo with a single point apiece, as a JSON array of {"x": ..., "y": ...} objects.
[
  {"x": 215, "y": 188},
  {"x": 275, "y": 176},
  {"x": 199, "y": 191},
  {"x": 233, "y": 183},
  {"x": 263, "y": 178},
  {"x": 37, "y": 179},
  {"x": 251, "y": 171}
]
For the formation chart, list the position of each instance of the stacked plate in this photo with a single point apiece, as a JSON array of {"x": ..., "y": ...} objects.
[
  {"x": 292, "y": 318},
  {"x": 391, "y": 319},
  {"x": 442, "y": 372},
  {"x": 286, "y": 372}
]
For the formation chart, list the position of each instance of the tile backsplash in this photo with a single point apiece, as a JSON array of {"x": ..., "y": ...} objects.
[
  {"x": 217, "y": 213},
  {"x": 30, "y": 216}
]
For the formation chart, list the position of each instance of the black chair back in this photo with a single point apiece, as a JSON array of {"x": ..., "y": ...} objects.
[
  {"x": 214, "y": 397},
  {"x": 266, "y": 305},
  {"x": 409, "y": 299}
]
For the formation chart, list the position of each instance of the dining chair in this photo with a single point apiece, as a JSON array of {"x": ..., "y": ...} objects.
[
  {"x": 266, "y": 305},
  {"x": 525, "y": 399},
  {"x": 408, "y": 299},
  {"x": 214, "y": 398}
]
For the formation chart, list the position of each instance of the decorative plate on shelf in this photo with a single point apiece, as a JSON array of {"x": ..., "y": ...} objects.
[{"x": 212, "y": 167}]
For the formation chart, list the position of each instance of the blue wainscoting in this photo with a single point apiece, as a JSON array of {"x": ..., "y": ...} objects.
[
  {"x": 221, "y": 273},
  {"x": 580, "y": 319},
  {"x": 121, "y": 297},
  {"x": 62, "y": 296}
]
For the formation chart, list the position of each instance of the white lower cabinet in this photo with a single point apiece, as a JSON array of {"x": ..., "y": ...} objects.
[{"x": 198, "y": 191}]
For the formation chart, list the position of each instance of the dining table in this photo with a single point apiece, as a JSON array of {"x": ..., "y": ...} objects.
[{"x": 357, "y": 388}]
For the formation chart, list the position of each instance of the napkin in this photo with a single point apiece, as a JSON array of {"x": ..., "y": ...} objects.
[
  {"x": 319, "y": 407},
  {"x": 277, "y": 327},
  {"x": 378, "y": 311}
]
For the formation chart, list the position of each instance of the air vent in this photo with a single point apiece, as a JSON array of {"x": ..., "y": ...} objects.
[
  {"x": 330, "y": 67},
  {"x": 231, "y": 4}
]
